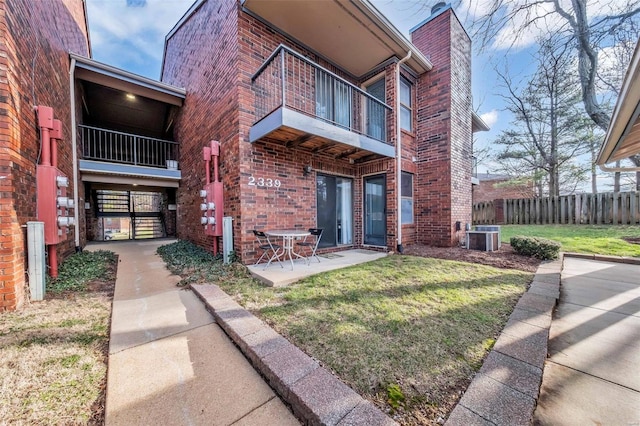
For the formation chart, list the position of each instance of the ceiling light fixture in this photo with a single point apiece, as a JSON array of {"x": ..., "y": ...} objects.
[{"x": 130, "y": 96}]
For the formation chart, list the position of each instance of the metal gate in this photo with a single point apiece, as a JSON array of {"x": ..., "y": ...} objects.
[{"x": 130, "y": 214}]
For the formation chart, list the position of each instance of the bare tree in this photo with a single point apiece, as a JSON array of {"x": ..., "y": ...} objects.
[
  {"x": 569, "y": 20},
  {"x": 549, "y": 130}
]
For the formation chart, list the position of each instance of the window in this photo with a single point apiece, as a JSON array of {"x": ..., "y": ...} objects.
[
  {"x": 406, "y": 193},
  {"x": 405, "y": 105}
]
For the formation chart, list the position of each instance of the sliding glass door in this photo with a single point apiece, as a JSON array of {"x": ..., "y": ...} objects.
[
  {"x": 335, "y": 210},
  {"x": 375, "y": 208},
  {"x": 333, "y": 99}
]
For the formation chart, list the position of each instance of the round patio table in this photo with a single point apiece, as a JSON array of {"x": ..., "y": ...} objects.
[{"x": 288, "y": 235}]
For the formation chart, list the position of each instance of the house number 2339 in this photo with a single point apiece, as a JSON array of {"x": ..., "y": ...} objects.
[{"x": 266, "y": 182}]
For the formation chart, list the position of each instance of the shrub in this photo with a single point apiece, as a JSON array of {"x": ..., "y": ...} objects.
[{"x": 540, "y": 248}]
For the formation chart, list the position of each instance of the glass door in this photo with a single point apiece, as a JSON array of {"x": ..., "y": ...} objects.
[
  {"x": 334, "y": 210},
  {"x": 375, "y": 206}
]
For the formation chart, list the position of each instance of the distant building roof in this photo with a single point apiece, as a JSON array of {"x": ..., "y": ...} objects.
[{"x": 491, "y": 176}]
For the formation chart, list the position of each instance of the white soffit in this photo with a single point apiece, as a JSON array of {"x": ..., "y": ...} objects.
[{"x": 352, "y": 34}]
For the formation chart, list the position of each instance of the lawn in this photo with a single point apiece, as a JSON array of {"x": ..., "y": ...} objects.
[
  {"x": 406, "y": 332},
  {"x": 53, "y": 353},
  {"x": 592, "y": 239}
]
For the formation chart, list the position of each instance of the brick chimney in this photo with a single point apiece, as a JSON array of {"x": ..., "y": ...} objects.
[{"x": 443, "y": 131}]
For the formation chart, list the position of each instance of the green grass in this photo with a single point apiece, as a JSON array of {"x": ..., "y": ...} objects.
[
  {"x": 406, "y": 332},
  {"x": 591, "y": 239}
]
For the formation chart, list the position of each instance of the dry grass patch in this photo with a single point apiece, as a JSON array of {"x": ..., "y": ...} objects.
[{"x": 53, "y": 357}]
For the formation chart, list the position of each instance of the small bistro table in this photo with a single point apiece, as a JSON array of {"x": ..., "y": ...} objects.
[{"x": 288, "y": 236}]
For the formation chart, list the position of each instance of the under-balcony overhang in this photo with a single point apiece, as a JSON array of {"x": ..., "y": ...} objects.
[
  {"x": 300, "y": 131},
  {"x": 106, "y": 75},
  {"x": 352, "y": 34},
  {"x": 128, "y": 174},
  {"x": 623, "y": 136},
  {"x": 116, "y": 99}
]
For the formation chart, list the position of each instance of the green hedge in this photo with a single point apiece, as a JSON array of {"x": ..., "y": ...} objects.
[{"x": 540, "y": 248}]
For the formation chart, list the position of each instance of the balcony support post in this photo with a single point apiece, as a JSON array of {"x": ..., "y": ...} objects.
[
  {"x": 282, "y": 77},
  {"x": 135, "y": 150}
]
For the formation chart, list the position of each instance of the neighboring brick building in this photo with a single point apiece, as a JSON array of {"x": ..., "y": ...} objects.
[
  {"x": 321, "y": 110},
  {"x": 501, "y": 187},
  {"x": 36, "y": 38}
]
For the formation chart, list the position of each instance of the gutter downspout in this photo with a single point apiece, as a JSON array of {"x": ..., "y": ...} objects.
[
  {"x": 618, "y": 169},
  {"x": 399, "y": 156},
  {"x": 74, "y": 150}
]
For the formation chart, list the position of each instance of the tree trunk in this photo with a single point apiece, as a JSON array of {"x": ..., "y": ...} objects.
[{"x": 616, "y": 179}]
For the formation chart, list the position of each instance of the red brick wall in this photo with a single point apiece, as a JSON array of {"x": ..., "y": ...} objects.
[
  {"x": 202, "y": 57},
  {"x": 35, "y": 39},
  {"x": 489, "y": 190},
  {"x": 443, "y": 131}
]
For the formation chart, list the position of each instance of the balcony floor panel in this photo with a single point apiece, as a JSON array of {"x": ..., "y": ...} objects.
[
  {"x": 295, "y": 130},
  {"x": 106, "y": 172}
]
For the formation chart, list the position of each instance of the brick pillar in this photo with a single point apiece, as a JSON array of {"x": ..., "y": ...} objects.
[{"x": 443, "y": 131}]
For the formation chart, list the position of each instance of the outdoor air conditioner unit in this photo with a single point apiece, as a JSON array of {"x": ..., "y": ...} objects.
[{"x": 483, "y": 240}]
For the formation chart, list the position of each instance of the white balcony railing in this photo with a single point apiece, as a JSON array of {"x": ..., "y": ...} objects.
[
  {"x": 118, "y": 147},
  {"x": 288, "y": 79}
]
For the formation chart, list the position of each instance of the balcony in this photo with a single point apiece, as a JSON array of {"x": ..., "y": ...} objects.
[
  {"x": 306, "y": 106},
  {"x": 108, "y": 152}
]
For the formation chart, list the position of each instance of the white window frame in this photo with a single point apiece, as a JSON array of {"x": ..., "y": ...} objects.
[
  {"x": 404, "y": 106},
  {"x": 406, "y": 198}
]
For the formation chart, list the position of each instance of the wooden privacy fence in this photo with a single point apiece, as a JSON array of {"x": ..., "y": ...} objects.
[{"x": 611, "y": 208}]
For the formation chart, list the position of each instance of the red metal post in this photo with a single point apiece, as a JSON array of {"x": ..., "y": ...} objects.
[
  {"x": 53, "y": 260},
  {"x": 45, "y": 122},
  {"x": 55, "y": 134}
]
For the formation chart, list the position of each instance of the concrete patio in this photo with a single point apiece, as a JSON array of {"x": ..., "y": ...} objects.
[{"x": 276, "y": 276}]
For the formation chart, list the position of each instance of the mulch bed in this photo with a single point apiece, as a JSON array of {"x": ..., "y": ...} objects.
[{"x": 504, "y": 258}]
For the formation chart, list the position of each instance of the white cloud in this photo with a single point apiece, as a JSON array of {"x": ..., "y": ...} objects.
[
  {"x": 490, "y": 118},
  {"x": 514, "y": 15},
  {"x": 140, "y": 26}
]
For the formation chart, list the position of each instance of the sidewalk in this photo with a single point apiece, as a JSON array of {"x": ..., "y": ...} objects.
[
  {"x": 592, "y": 375},
  {"x": 169, "y": 362}
]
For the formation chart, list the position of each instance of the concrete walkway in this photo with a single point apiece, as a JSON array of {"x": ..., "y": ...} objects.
[
  {"x": 169, "y": 362},
  {"x": 592, "y": 375}
]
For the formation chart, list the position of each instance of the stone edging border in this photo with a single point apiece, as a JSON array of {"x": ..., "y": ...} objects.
[
  {"x": 604, "y": 258},
  {"x": 315, "y": 395},
  {"x": 505, "y": 390}
]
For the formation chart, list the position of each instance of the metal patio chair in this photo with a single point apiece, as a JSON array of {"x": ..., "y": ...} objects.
[
  {"x": 311, "y": 242},
  {"x": 267, "y": 247}
]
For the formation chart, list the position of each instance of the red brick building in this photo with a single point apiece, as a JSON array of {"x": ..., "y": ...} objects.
[
  {"x": 36, "y": 38},
  {"x": 303, "y": 99},
  {"x": 501, "y": 187},
  {"x": 326, "y": 116}
]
